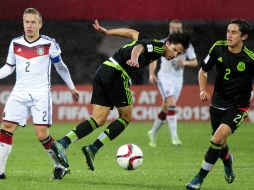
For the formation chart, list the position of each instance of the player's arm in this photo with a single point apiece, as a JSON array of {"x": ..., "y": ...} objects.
[
  {"x": 63, "y": 71},
  {"x": 192, "y": 60},
  {"x": 6, "y": 70},
  {"x": 202, "y": 80},
  {"x": 152, "y": 68},
  {"x": 191, "y": 63},
  {"x": 135, "y": 53},
  {"x": 123, "y": 32}
]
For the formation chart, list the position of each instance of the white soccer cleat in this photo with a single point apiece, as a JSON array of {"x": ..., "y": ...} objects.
[
  {"x": 152, "y": 142},
  {"x": 176, "y": 141}
]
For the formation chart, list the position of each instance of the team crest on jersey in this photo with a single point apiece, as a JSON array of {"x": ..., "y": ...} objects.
[
  {"x": 241, "y": 66},
  {"x": 40, "y": 50}
]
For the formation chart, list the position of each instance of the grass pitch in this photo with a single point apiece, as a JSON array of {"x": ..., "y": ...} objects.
[{"x": 165, "y": 167}]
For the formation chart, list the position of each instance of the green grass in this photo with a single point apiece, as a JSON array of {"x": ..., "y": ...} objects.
[{"x": 164, "y": 168}]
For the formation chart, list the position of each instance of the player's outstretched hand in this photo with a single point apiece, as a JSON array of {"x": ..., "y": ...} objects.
[
  {"x": 133, "y": 63},
  {"x": 99, "y": 28},
  {"x": 204, "y": 96},
  {"x": 75, "y": 95}
]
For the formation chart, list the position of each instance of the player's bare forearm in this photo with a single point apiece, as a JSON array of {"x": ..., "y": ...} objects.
[
  {"x": 135, "y": 53},
  {"x": 152, "y": 68},
  {"x": 192, "y": 63},
  {"x": 123, "y": 32},
  {"x": 202, "y": 80}
]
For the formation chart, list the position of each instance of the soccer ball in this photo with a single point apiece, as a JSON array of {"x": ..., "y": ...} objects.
[{"x": 129, "y": 156}]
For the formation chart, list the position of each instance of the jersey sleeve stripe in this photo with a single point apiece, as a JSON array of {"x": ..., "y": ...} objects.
[
  {"x": 218, "y": 43},
  {"x": 249, "y": 53},
  {"x": 56, "y": 59}
]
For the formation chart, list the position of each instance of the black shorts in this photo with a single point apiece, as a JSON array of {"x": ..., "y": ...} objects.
[
  {"x": 233, "y": 117},
  {"x": 111, "y": 88}
]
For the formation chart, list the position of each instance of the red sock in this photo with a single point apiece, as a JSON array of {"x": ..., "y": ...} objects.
[
  {"x": 6, "y": 137},
  {"x": 47, "y": 142}
]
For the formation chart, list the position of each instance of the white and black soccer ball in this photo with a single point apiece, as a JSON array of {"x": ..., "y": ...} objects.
[{"x": 129, "y": 156}]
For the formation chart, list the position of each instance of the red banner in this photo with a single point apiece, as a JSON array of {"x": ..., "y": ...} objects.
[
  {"x": 147, "y": 101},
  {"x": 131, "y": 10}
]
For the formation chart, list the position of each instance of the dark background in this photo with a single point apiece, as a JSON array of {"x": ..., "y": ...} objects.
[{"x": 83, "y": 50}]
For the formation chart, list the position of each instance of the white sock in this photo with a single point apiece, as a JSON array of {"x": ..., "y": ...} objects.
[
  {"x": 53, "y": 156},
  {"x": 172, "y": 125},
  {"x": 156, "y": 126},
  {"x": 5, "y": 150}
]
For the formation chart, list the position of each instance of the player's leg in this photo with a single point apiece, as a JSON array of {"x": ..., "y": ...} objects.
[
  {"x": 157, "y": 124},
  {"x": 233, "y": 119},
  {"x": 163, "y": 86},
  {"x": 41, "y": 110},
  {"x": 216, "y": 118},
  {"x": 230, "y": 121},
  {"x": 14, "y": 114},
  {"x": 172, "y": 120},
  {"x": 45, "y": 138},
  {"x": 211, "y": 156},
  {"x": 84, "y": 128},
  {"x": 175, "y": 87},
  {"x": 113, "y": 130},
  {"x": 116, "y": 92},
  {"x": 6, "y": 132}
]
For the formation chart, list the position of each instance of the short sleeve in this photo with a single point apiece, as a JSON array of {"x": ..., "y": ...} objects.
[
  {"x": 142, "y": 36},
  {"x": 152, "y": 46},
  {"x": 210, "y": 60},
  {"x": 190, "y": 52}
]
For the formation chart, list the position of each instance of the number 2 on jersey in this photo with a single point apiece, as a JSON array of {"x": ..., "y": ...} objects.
[
  {"x": 228, "y": 71},
  {"x": 44, "y": 116},
  {"x": 27, "y": 65}
]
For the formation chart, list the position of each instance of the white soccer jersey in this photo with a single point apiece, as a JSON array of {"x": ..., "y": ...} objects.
[
  {"x": 171, "y": 68},
  {"x": 33, "y": 63},
  {"x": 170, "y": 75}
]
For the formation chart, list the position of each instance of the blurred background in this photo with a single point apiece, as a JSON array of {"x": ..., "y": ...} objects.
[{"x": 83, "y": 49}]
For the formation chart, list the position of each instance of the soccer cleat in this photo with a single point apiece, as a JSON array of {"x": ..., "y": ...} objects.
[
  {"x": 89, "y": 152},
  {"x": 195, "y": 184},
  {"x": 176, "y": 141},
  {"x": 59, "y": 173},
  {"x": 2, "y": 176},
  {"x": 152, "y": 142},
  {"x": 60, "y": 153},
  {"x": 228, "y": 168}
]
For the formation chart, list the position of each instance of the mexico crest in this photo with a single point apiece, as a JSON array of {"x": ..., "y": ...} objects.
[{"x": 241, "y": 66}]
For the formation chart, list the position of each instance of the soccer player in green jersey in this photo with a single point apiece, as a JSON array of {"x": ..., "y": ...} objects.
[
  {"x": 230, "y": 101},
  {"x": 111, "y": 89}
]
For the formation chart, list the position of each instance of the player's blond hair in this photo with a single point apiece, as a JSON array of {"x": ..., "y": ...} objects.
[{"x": 33, "y": 11}]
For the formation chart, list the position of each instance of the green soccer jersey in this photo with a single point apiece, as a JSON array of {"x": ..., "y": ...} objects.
[
  {"x": 234, "y": 74},
  {"x": 153, "y": 51}
]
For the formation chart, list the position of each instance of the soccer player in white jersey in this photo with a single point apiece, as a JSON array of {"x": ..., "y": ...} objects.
[
  {"x": 170, "y": 82},
  {"x": 32, "y": 55}
]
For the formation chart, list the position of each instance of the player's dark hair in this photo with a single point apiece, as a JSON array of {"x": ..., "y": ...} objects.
[
  {"x": 244, "y": 26},
  {"x": 179, "y": 38},
  {"x": 33, "y": 11}
]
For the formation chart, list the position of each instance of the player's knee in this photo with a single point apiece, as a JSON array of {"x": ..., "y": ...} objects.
[
  {"x": 126, "y": 116},
  {"x": 216, "y": 139},
  {"x": 42, "y": 134},
  {"x": 9, "y": 127},
  {"x": 99, "y": 121}
]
